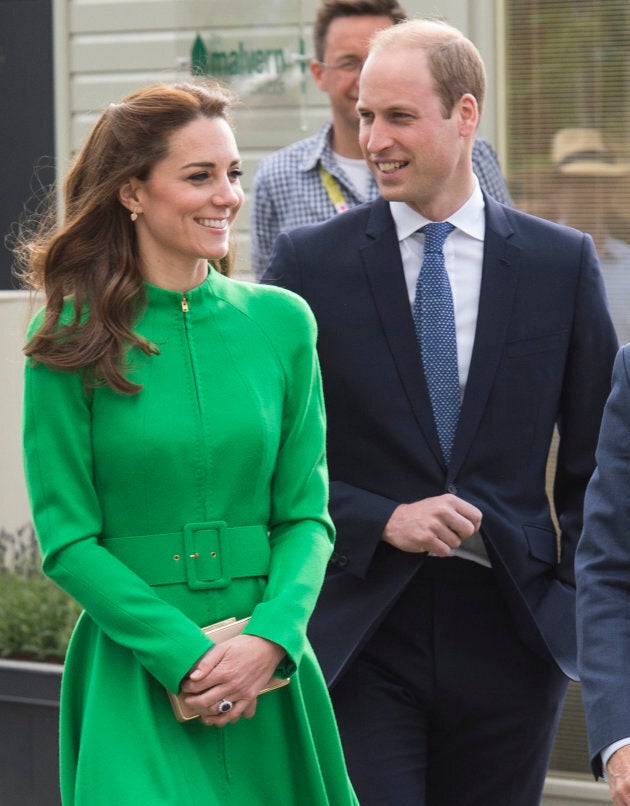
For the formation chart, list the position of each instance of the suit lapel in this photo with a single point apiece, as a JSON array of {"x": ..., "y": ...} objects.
[
  {"x": 383, "y": 266},
  {"x": 498, "y": 285}
]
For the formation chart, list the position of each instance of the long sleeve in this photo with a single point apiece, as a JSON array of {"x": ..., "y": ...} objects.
[
  {"x": 584, "y": 391},
  {"x": 603, "y": 576},
  {"x": 359, "y": 514},
  {"x": 301, "y": 532},
  {"x": 68, "y": 521}
]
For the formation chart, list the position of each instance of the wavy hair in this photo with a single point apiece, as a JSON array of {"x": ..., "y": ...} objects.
[{"x": 92, "y": 258}]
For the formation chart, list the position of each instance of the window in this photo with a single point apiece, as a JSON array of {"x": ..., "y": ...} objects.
[{"x": 568, "y": 111}]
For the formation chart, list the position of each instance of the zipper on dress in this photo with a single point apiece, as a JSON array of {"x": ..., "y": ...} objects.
[{"x": 184, "y": 304}]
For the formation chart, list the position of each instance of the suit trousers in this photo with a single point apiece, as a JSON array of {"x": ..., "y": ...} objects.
[{"x": 445, "y": 706}]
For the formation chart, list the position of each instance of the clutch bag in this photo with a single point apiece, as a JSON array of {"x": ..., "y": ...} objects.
[{"x": 221, "y": 631}]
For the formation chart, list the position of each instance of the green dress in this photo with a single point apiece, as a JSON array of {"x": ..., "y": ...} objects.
[{"x": 229, "y": 427}]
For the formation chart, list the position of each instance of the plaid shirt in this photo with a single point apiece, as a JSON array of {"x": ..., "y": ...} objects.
[{"x": 287, "y": 191}]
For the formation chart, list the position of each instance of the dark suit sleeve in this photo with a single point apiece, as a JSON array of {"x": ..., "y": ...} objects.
[
  {"x": 360, "y": 518},
  {"x": 585, "y": 388},
  {"x": 603, "y": 576},
  {"x": 359, "y": 515}
]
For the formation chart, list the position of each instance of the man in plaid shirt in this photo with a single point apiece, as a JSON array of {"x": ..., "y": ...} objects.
[{"x": 315, "y": 178}]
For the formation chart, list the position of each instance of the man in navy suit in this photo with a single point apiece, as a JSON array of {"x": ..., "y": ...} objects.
[
  {"x": 603, "y": 593},
  {"x": 446, "y": 623}
]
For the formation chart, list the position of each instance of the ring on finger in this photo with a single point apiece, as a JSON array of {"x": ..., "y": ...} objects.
[{"x": 224, "y": 706}]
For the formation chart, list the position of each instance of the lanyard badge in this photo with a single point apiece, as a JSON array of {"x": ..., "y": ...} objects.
[{"x": 333, "y": 190}]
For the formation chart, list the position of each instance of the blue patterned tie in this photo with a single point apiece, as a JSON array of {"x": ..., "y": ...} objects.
[{"x": 434, "y": 319}]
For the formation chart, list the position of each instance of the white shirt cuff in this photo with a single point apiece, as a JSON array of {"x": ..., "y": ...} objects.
[{"x": 608, "y": 751}]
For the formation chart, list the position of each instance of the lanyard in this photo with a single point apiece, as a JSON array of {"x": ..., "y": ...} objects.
[{"x": 334, "y": 191}]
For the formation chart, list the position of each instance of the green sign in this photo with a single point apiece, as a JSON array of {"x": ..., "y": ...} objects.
[{"x": 266, "y": 66}]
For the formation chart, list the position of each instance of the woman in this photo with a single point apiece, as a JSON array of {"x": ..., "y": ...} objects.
[{"x": 175, "y": 460}]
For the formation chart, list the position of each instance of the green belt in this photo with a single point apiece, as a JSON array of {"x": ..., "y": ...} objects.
[{"x": 203, "y": 555}]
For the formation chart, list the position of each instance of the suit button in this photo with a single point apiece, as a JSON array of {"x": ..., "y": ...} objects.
[
  {"x": 451, "y": 488},
  {"x": 342, "y": 561}
]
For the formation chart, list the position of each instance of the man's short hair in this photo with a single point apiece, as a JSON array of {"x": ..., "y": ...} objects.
[
  {"x": 330, "y": 10},
  {"x": 455, "y": 63}
]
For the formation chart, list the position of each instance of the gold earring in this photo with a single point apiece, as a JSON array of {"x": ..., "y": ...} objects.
[{"x": 134, "y": 216}]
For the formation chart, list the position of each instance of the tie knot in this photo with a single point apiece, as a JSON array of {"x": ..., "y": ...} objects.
[{"x": 435, "y": 235}]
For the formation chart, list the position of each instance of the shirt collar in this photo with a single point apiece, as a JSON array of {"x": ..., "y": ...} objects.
[
  {"x": 321, "y": 150},
  {"x": 469, "y": 218}
]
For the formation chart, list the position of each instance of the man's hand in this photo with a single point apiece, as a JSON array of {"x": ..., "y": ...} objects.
[
  {"x": 436, "y": 525},
  {"x": 618, "y": 769}
]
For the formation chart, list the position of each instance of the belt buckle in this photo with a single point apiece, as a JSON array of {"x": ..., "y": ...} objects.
[{"x": 207, "y": 555}]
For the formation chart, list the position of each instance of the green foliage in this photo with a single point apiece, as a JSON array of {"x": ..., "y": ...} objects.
[{"x": 36, "y": 616}]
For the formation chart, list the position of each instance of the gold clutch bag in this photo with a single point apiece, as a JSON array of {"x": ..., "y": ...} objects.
[{"x": 221, "y": 631}]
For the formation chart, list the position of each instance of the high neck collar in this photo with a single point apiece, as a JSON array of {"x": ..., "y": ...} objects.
[{"x": 162, "y": 297}]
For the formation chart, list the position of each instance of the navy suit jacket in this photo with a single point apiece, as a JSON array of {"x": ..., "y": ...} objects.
[
  {"x": 603, "y": 576},
  {"x": 542, "y": 356}
]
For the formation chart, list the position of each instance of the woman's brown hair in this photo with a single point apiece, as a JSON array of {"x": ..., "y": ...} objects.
[{"x": 93, "y": 256}]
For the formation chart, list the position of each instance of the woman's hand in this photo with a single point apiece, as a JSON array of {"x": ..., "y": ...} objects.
[{"x": 235, "y": 670}]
